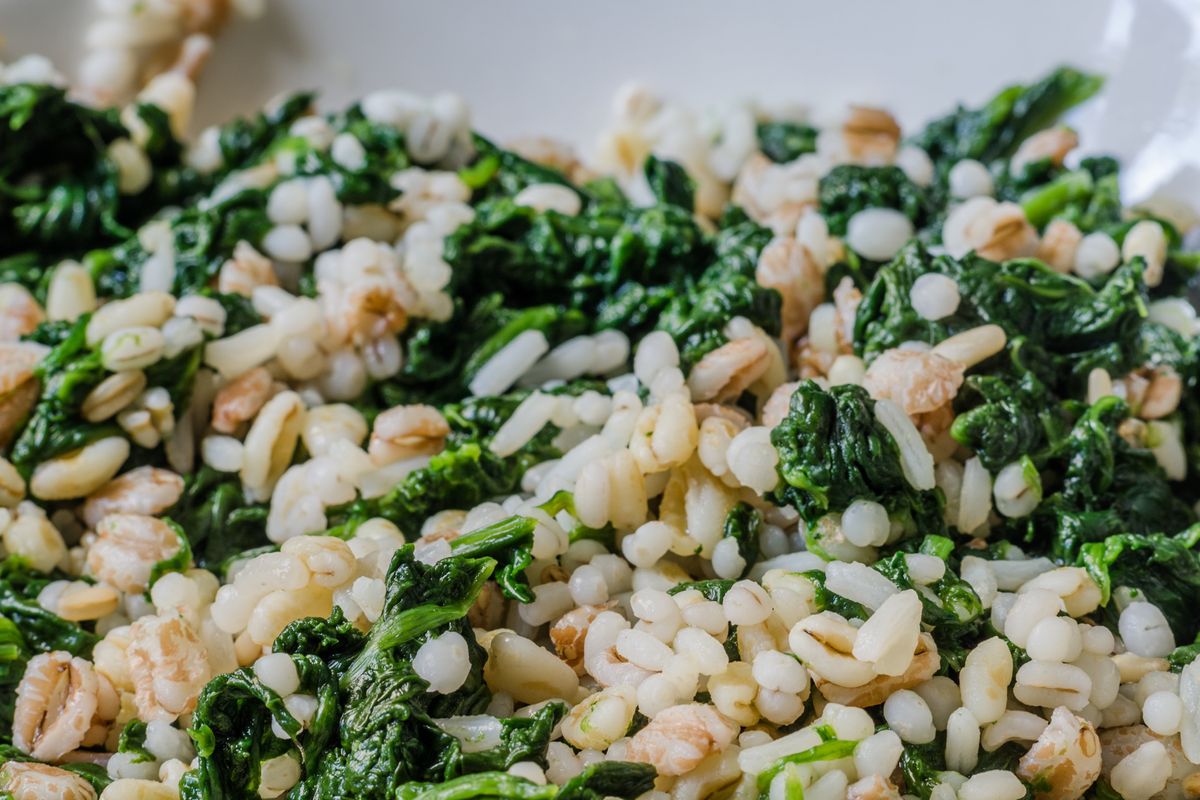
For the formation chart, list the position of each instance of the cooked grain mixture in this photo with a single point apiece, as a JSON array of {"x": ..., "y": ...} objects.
[{"x": 353, "y": 455}]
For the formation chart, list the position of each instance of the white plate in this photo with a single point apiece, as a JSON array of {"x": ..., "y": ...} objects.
[{"x": 535, "y": 66}]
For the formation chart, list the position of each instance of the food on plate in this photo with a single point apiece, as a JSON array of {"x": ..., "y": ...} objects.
[{"x": 355, "y": 455}]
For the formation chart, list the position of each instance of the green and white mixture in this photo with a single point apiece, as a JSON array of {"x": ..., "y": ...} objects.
[{"x": 357, "y": 456}]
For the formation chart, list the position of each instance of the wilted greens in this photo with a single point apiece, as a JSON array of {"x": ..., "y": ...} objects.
[
  {"x": 833, "y": 451},
  {"x": 847, "y": 189},
  {"x": 996, "y": 129}
]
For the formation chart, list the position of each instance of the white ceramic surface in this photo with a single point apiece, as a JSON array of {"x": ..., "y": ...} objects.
[{"x": 551, "y": 67}]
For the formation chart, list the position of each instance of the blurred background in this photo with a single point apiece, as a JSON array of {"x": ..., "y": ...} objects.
[{"x": 528, "y": 67}]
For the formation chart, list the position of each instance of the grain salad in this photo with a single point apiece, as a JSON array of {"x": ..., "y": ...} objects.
[{"x": 355, "y": 455}]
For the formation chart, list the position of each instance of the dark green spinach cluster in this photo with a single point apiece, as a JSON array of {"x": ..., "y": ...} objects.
[
  {"x": 67, "y": 374},
  {"x": 1161, "y": 569},
  {"x": 849, "y": 188},
  {"x": 995, "y": 130},
  {"x": 783, "y": 141},
  {"x": 833, "y": 451},
  {"x": 57, "y": 187}
]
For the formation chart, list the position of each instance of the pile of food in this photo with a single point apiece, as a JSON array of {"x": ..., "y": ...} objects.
[{"x": 353, "y": 455}]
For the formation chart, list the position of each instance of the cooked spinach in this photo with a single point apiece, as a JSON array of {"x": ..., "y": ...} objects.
[
  {"x": 232, "y": 730},
  {"x": 714, "y": 589},
  {"x": 1104, "y": 472},
  {"x": 461, "y": 476},
  {"x": 67, "y": 374},
  {"x": 847, "y": 189},
  {"x": 1162, "y": 569},
  {"x": 611, "y": 266},
  {"x": 995, "y": 130},
  {"x": 334, "y": 640},
  {"x": 743, "y": 524},
  {"x": 497, "y": 172},
  {"x": 58, "y": 189},
  {"x": 243, "y": 141},
  {"x": 828, "y": 750},
  {"x": 13, "y": 656},
  {"x": 204, "y": 236},
  {"x": 219, "y": 520},
  {"x": 1088, "y": 197},
  {"x": 832, "y": 451},
  {"x": 786, "y": 141},
  {"x": 826, "y": 600},
  {"x": 670, "y": 183},
  {"x": 239, "y": 311},
  {"x": 1067, "y": 327},
  {"x": 180, "y": 562},
  {"x": 133, "y": 740},
  {"x": 40, "y": 630}
]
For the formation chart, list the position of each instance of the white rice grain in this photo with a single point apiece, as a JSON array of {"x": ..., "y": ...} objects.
[
  {"x": 288, "y": 243},
  {"x": 525, "y": 422},
  {"x": 443, "y": 662},
  {"x": 888, "y": 638},
  {"x": 865, "y": 523},
  {"x": 610, "y": 353},
  {"x": 508, "y": 365},
  {"x": 878, "y": 233},
  {"x": 859, "y": 583},
  {"x": 975, "y": 498},
  {"x": 655, "y": 352},
  {"x": 915, "y": 459},
  {"x": 288, "y": 203},
  {"x": 969, "y": 178},
  {"x": 1096, "y": 255},
  {"x": 565, "y": 362},
  {"x": 324, "y": 213},
  {"x": 934, "y": 296},
  {"x": 1145, "y": 630},
  {"x": 1143, "y": 773}
]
